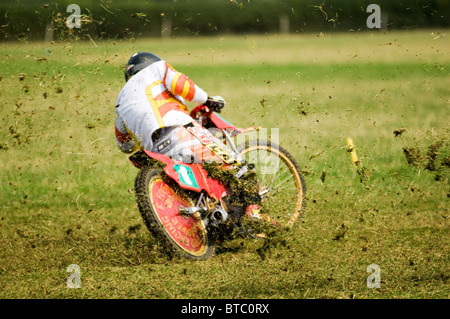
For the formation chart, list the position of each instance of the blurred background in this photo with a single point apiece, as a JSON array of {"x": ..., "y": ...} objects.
[{"x": 29, "y": 20}]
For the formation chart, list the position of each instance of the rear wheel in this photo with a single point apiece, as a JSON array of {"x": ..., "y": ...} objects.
[
  {"x": 159, "y": 199},
  {"x": 281, "y": 185}
]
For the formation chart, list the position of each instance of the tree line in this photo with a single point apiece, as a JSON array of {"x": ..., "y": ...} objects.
[{"x": 106, "y": 19}]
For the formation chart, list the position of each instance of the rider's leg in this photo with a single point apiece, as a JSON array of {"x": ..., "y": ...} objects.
[
  {"x": 192, "y": 143},
  {"x": 124, "y": 138}
]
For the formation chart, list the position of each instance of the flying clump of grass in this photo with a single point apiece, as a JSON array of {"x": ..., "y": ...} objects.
[{"x": 434, "y": 157}]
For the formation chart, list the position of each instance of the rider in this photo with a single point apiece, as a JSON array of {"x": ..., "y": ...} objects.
[{"x": 152, "y": 105}]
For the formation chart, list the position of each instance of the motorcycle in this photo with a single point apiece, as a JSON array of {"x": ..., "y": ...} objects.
[{"x": 190, "y": 207}]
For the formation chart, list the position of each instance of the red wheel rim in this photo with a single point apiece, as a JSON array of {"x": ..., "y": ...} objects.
[{"x": 187, "y": 232}]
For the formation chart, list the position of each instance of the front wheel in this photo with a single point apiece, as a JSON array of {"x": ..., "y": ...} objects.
[
  {"x": 159, "y": 199},
  {"x": 281, "y": 185}
]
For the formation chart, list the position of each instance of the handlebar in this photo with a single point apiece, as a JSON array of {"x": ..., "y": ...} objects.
[{"x": 201, "y": 111}]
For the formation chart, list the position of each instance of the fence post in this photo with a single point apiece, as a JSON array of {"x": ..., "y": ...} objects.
[
  {"x": 166, "y": 28},
  {"x": 284, "y": 23},
  {"x": 49, "y": 32}
]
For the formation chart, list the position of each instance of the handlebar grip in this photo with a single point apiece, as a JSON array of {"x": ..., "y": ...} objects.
[{"x": 215, "y": 105}]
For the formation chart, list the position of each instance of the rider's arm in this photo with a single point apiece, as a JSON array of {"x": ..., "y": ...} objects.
[{"x": 180, "y": 85}]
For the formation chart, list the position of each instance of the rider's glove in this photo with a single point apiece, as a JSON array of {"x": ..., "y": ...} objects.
[{"x": 215, "y": 103}]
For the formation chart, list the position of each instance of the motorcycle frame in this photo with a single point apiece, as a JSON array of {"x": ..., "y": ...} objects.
[{"x": 172, "y": 167}]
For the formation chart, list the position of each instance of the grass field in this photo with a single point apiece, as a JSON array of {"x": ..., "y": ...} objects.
[{"x": 65, "y": 191}]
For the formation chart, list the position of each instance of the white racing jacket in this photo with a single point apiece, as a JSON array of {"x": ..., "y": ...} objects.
[{"x": 151, "y": 99}]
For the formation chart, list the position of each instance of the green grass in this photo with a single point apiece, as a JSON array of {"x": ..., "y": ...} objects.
[{"x": 65, "y": 188}]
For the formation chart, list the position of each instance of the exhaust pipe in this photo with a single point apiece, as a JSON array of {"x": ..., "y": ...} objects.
[
  {"x": 219, "y": 216},
  {"x": 193, "y": 211}
]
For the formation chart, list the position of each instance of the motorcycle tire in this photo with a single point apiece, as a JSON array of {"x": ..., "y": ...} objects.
[
  {"x": 280, "y": 178},
  {"x": 159, "y": 198}
]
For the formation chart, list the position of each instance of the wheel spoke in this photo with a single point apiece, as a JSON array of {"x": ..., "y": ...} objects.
[{"x": 282, "y": 189}]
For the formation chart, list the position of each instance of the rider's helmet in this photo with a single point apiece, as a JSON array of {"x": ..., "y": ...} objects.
[{"x": 139, "y": 61}]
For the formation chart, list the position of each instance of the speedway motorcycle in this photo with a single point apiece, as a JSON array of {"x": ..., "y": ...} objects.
[{"x": 190, "y": 207}]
